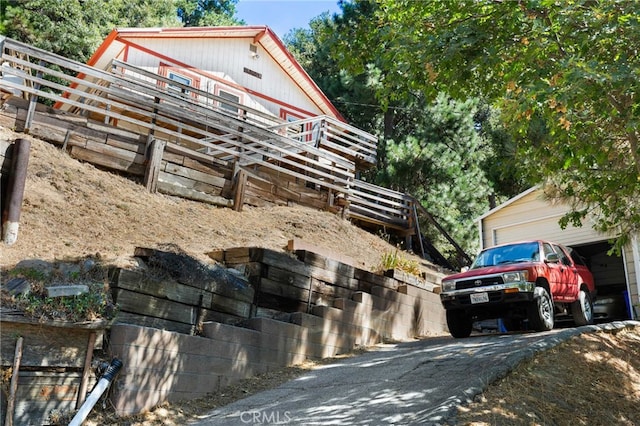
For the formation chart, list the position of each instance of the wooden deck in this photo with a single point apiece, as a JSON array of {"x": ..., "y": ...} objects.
[{"x": 187, "y": 142}]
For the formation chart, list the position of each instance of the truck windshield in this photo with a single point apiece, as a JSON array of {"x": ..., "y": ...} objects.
[{"x": 513, "y": 253}]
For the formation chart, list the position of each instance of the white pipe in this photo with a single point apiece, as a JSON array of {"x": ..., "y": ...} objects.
[{"x": 96, "y": 393}]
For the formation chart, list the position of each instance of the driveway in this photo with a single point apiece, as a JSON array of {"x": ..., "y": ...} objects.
[{"x": 419, "y": 382}]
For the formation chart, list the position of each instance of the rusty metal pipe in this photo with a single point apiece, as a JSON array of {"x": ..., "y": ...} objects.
[{"x": 15, "y": 191}]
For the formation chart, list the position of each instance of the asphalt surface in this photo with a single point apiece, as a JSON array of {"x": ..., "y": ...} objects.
[{"x": 411, "y": 383}]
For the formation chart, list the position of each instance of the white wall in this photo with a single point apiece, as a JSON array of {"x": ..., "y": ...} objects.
[
  {"x": 533, "y": 217},
  {"x": 227, "y": 59}
]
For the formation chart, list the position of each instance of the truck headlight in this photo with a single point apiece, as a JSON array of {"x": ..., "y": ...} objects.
[
  {"x": 515, "y": 277},
  {"x": 448, "y": 285}
]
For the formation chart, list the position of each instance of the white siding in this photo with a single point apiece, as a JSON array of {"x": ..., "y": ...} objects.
[
  {"x": 227, "y": 59},
  {"x": 533, "y": 217}
]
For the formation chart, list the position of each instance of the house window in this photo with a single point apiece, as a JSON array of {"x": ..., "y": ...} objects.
[
  {"x": 180, "y": 79},
  {"x": 181, "y": 76},
  {"x": 234, "y": 97}
]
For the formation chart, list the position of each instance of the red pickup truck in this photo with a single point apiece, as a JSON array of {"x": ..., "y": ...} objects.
[{"x": 524, "y": 284}]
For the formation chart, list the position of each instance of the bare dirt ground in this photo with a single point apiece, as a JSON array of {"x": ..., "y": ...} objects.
[{"x": 73, "y": 210}]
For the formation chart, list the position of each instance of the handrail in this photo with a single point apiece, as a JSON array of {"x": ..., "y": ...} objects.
[
  {"x": 146, "y": 106},
  {"x": 384, "y": 205},
  {"x": 319, "y": 150},
  {"x": 334, "y": 135}
]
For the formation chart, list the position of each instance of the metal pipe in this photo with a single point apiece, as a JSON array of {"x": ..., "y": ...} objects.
[
  {"x": 15, "y": 190},
  {"x": 96, "y": 393}
]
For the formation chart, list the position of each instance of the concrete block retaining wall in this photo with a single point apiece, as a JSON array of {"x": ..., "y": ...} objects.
[{"x": 164, "y": 366}]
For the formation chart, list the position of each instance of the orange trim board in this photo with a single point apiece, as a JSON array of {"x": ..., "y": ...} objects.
[
  {"x": 195, "y": 70},
  {"x": 124, "y": 36}
]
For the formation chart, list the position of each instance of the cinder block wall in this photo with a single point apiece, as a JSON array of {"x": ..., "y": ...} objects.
[{"x": 164, "y": 366}]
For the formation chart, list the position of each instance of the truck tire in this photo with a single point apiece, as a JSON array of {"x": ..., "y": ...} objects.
[
  {"x": 582, "y": 309},
  {"x": 540, "y": 311},
  {"x": 459, "y": 324}
]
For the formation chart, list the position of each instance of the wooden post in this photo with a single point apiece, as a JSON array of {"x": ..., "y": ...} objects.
[
  {"x": 86, "y": 370},
  {"x": 17, "y": 358},
  {"x": 15, "y": 191},
  {"x": 33, "y": 100},
  {"x": 238, "y": 196},
  {"x": 154, "y": 162},
  {"x": 418, "y": 233}
]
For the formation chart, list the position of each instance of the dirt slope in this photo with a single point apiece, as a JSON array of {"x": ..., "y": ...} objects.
[{"x": 73, "y": 210}]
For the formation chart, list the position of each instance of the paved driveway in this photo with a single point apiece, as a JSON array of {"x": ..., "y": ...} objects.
[{"x": 402, "y": 384}]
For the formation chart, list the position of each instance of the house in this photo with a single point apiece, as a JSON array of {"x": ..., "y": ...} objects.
[
  {"x": 224, "y": 115},
  {"x": 530, "y": 215},
  {"x": 248, "y": 65},
  {"x": 244, "y": 68}
]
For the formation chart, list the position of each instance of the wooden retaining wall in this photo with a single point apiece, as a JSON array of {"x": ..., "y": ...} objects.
[
  {"x": 306, "y": 306},
  {"x": 176, "y": 170},
  {"x": 175, "y": 292},
  {"x": 53, "y": 373}
]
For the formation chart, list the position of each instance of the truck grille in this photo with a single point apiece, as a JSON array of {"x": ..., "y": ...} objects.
[{"x": 479, "y": 282}]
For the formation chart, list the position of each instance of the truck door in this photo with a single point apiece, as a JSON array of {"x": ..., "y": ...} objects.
[
  {"x": 568, "y": 274},
  {"x": 555, "y": 271}
]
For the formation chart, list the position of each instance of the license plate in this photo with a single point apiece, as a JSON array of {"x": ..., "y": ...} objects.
[{"x": 479, "y": 297}]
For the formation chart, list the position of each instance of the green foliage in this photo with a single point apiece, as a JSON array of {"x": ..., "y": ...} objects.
[
  {"x": 146, "y": 14},
  {"x": 71, "y": 28},
  {"x": 563, "y": 74},
  {"x": 440, "y": 164},
  {"x": 93, "y": 305},
  {"x": 75, "y": 28},
  {"x": 394, "y": 260},
  {"x": 89, "y": 306},
  {"x": 202, "y": 13}
]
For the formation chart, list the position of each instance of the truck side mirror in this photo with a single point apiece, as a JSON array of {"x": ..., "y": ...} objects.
[{"x": 552, "y": 258}]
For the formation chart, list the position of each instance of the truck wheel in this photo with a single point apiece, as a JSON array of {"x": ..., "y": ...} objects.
[
  {"x": 541, "y": 310},
  {"x": 459, "y": 324},
  {"x": 582, "y": 309}
]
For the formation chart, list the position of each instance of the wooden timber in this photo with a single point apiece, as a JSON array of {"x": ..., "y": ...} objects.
[{"x": 119, "y": 111}]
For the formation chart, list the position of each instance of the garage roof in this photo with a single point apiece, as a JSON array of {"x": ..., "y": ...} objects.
[{"x": 509, "y": 202}]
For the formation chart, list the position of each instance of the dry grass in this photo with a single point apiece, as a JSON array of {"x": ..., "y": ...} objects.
[
  {"x": 593, "y": 379},
  {"x": 74, "y": 210}
]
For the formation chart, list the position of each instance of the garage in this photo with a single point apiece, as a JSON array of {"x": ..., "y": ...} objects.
[{"x": 530, "y": 215}]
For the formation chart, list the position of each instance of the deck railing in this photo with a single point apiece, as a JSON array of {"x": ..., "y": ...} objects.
[
  {"x": 321, "y": 151},
  {"x": 152, "y": 108}
]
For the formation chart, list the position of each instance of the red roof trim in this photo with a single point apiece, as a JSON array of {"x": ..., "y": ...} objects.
[
  {"x": 263, "y": 32},
  {"x": 132, "y": 45},
  {"x": 103, "y": 47}
]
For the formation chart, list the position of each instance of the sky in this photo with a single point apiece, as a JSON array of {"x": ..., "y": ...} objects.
[{"x": 283, "y": 15}]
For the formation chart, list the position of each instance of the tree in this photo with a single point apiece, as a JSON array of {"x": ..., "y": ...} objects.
[
  {"x": 69, "y": 28},
  {"x": 444, "y": 153},
  {"x": 201, "y": 13},
  {"x": 146, "y": 13},
  {"x": 441, "y": 164},
  {"x": 563, "y": 74},
  {"x": 75, "y": 28}
]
